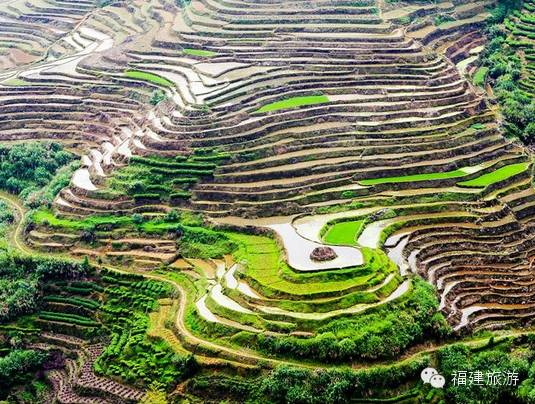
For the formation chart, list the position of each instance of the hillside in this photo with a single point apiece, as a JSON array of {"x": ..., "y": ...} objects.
[{"x": 209, "y": 200}]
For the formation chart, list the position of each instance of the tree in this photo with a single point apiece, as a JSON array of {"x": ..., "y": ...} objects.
[{"x": 137, "y": 218}]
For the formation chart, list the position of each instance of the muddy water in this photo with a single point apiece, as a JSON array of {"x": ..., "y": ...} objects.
[
  {"x": 396, "y": 255},
  {"x": 466, "y": 312},
  {"x": 82, "y": 179},
  {"x": 102, "y": 42},
  {"x": 298, "y": 250},
  {"x": 230, "y": 280},
  {"x": 310, "y": 226},
  {"x": 247, "y": 291},
  {"x": 225, "y": 301},
  {"x": 203, "y": 311}
]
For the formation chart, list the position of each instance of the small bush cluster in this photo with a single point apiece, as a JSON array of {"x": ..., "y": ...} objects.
[{"x": 27, "y": 168}]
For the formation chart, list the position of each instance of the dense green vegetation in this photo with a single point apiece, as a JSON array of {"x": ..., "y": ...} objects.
[
  {"x": 384, "y": 332},
  {"x": 513, "y": 356},
  {"x": 398, "y": 383},
  {"x": 91, "y": 305},
  {"x": 131, "y": 354},
  {"x": 6, "y": 219},
  {"x": 480, "y": 76},
  {"x": 17, "y": 367},
  {"x": 505, "y": 71},
  {"x": 294, "y": 103},
  {"x": 194, "y": 238},
  {"x": 235, "y": 302},
  {"x": 159, "y": 179},
  {"x": 292, "y": 385},
  {"x": 22, "y": 278},
  {"x": 47, "y": 218},
  {"x": 35, "y": 172}
]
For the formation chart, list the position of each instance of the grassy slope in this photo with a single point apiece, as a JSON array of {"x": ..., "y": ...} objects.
[{"x": 343, "y": 232}]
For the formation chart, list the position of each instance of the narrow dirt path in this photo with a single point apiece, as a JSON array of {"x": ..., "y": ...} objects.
[{"x": 14, "y": 234}]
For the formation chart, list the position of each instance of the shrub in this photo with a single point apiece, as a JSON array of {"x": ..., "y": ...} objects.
[
  {"x": 16, "y": 366},
  {"x": 383, "y": 333},
  {"x": 28, "y": 167},
  {"x": 137, "y": 218},
  {"x": 157, "y": 97},
  {"x": 21, "y": 279}
]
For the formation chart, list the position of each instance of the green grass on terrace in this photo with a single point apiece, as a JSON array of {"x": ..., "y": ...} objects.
[
  {"x": 150, "y": 77},
  {"x": 197, "y": 240},
  {"x": 163, "y": 178},
  {"x": 343, "y": 232},
  {"x": 480, "y": 76},
  {"x": 499, "y": 175},
  {"x": 294, "y": 103},
  {"x": 88, "y": 223},
  {"x": 461, "y": 172},
  {"x": 199, "y": 52}
]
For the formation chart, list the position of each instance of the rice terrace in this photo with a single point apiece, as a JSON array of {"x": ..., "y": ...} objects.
[{"x": 267, "y": 201}]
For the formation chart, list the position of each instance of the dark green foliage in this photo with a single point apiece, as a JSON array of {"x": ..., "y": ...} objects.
[
  {"x": 502, "y": 359},
  {"x": 68, "y": 318},
  {"x": 28, "y": 167},
  {"x": 17, "y": 367},
  {"x": 131, "y": 355},
  {"x": 6, "y": 219},
  {"x": 502, "y": 9},
  {"x": 441, "y": 19},
  {"x": 76, "y": 301},
  {"x": 6, "y": 215},
  {"x": 290, "y": 385},
  {"x": 216, "y": 387},
  {"x": 505, "y": 71},
  {"x": 33, "y": 391},
  {"x": 383, "y": 333},
  {"x": 114, "y": 306},
  {"x": 137, "y": 218},
  {"x": 21, "y": 279},
  {"x": 286, "y": 384}
]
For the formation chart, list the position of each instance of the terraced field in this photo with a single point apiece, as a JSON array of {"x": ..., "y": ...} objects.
[
  {"x": 521, "y": 26},
  {"x": 269, "y": 183}
]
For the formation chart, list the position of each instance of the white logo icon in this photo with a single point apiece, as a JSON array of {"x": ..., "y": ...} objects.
[{"x": 430, "y": 375}]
